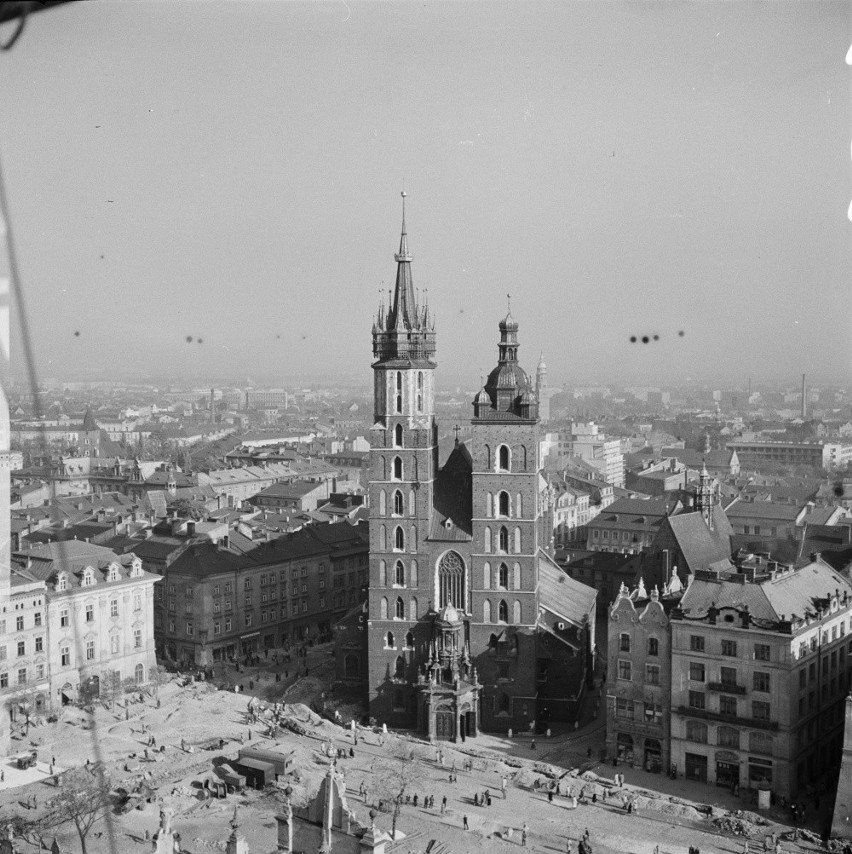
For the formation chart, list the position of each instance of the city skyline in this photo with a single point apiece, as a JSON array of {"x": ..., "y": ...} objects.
[{"x": 616, "y": 177}]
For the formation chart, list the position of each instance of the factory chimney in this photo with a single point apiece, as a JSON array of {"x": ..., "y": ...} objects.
[{"x": 804, "y": 400}]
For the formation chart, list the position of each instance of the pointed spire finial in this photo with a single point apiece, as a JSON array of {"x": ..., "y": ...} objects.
[{"x": 509, "y": 301}]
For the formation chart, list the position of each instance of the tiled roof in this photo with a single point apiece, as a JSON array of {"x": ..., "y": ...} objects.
[
  {"x": 790, "y": 593},
  {"x": 700, "y": 545},
  {"x": 762, "y": 510},
  {"x": 564, "y": 597}
]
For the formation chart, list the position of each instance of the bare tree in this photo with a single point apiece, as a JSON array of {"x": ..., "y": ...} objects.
[
  {"x": 397, "y": 779},
  {"x": 157, "y": 676},
  {"x": 83, "y": 798},
  {"x": 111, "y": 688}
]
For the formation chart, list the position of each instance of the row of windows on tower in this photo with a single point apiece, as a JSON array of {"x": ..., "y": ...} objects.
[
  {"x": 499, "y": 506},
  {"x": 488, "y": 612},
  {"x": 399, "y": 393},
  {"x": 498, "y": 580},
  {"x": 502, "y": 544},
  {"x": 504, "y": 458}
]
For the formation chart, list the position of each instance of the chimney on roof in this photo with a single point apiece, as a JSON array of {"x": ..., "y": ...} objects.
[{"x": 815, "y": 556}]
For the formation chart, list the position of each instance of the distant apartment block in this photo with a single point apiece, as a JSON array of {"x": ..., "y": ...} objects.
[{"x": 825, "y": 455}]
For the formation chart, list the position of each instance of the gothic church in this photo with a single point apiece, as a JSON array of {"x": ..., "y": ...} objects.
[{"x": 469, "y": 623}]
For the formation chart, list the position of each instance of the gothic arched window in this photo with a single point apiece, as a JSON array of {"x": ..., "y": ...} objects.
[
  {"x": 383, "y": 576},
  {"x": 517, "y": 579},
  {"x": 383, "y": 609},
  {"x": 382, "y": 538},
  {"x": 503, "y": 508},
  {"x": 519, "y": 505},
  {"x": 397, "y": 468},
  {"x": 517, "y": 541},
  {"x": 451, "y": 581},
  {"x": 486, "y": 611},
  {"x": 489, "y": 506},
  {"x": 412, "y": 578},
  {"x": 397, "y": 503},
  {"x": 412, "y": 543},
  {"x": 399, "y": 391},
  {"x": 399, "y": 574},
  {"x": 399, "y": 612},
  {"x": 487, "y": 540},
  {"x": 409, "y": 640},
  {"x": 504, "y": 539},
  {"x": 486, "y": 573},
  {"x": 504, "y": 576},
  {"x": 389, "y": 639},
  {"x": 399, "y": 539},
  {"x": 399, "y": 669},
  {"x": 411, "y": 503},
  {"x": 397, "y": 435},
  {"x": 382, "y": 503},
  {"x": 504, "y": 458},
  {"x": 420, "y": 391},
  {"x": 487, "y": 456},
  {"x": 412, "y": 608},
  {"x": 516, "y": 613},
  {"x": 503, "y": 612}
]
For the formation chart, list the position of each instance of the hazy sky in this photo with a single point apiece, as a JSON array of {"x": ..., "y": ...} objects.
[{"x": 231, "y": 171}]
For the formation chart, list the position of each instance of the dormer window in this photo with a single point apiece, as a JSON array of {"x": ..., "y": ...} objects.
[
  {"x": 62, "y": 581},
  {"x": 88, "y": 577},
  {"x": 135, "y": 568},
  {"x": 113, "y": 574}
]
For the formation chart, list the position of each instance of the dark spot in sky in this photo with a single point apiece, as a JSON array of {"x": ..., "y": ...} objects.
[
  {"x": 102, "y": 257},
  {"x": 77, "y": 333},
  {"x": 189, "y": 339},
  {"x": 304, "y": 337},
  {"x": 200, "y": 340},
  {"x": 461, "y": 311},
  {"x": 838, "y": 489},
  {"x": 645, "y": 339},
  {"x": 111, "y": 201},
  {"x": 681, "y": 333},
  {"x": 632, "y": 339},
  {"x": 277, "y": 336},
  {"x": 656, "y": 337}
]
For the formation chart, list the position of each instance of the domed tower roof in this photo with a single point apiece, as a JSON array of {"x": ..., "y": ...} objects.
[{"x": 508, "y": 382}]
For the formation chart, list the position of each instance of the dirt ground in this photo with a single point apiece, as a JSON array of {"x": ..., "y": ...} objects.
[{"x": 199, "y": 713}]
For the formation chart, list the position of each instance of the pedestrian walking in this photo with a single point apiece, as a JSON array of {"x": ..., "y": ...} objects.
[
  {"x": 503, "y": 787},
  {"x": 414, "y": 800},
  {"x": 550, "y": 796},
  {"x": 464, "y": 823},
  {"x": 532, "y": 744},
  {"x": 524, "y": 831},
  {"x": 444, "y": 804}
]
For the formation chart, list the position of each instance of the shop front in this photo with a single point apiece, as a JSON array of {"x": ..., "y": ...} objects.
[
  {"x": 696, "y": 767},
  {"x": 759, "y": 773},
  {"x": 624, "y": 747},
  {"x": 653, "y": 756},
  {"x": 727, "y": 769}
]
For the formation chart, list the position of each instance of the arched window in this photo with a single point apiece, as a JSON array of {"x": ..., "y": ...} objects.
[
  {"x": 487, "y": 450},
  {"x": 383, "y": 574},
  {"x": 397, "y": 435},
  {"x": 399, "y": 611},
  {"x": 412, "y": 608},
  {"x": 504, "y": 539},
  {"x": 397, "y": 503},
  {"x": 503, "y": 612},
  {"x": 504, "y": 459},
  {"x": 383, "y": 609},
  {"x": 516, "y": 612},
  {"x": 412, "y": 580},
  {"x": 517, "y": 541},
  {"x": 486, "y": 611},
  {"x": 519, "y": 506},
  {"x": 139, "y": 673},
  {"x": 409, "y": 640},
  {"x": 451, "y": 581},
  {"x": 389, "y": 640},
  {"x": 397, "y": 468},
  {"x": 486, "y": 575},
  {"x": 503, "y": 576},
  {"x": 383, "y": 539},
  {"x": 503, "y": 508},
  {"x": 399, "y": 574},
  {"x": 487, "y": 541},
  {"x": 399, "y": 391},
  {"x": 382, "y": 503},
  {"x": 412, "y": 542},
  {"x": 517, "y": 578},
  {"x": 489, "y": 506},
  {"x": 399, "y": 539},
  {"x": 420, "y": 391},
  {"x": 399, "y": 668},
  {"x": 524, "y": 451},
  {"x": 411, "y": 503}
]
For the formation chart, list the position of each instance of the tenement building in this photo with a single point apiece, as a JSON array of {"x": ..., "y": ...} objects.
[
  {"x": 470, "y": 624},
  {"x": 759, "y": 664}
]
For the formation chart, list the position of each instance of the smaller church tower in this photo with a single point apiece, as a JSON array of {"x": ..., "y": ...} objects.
[
  {"x": 542, "y": 392},
  {"x": 704, "y": 497}
]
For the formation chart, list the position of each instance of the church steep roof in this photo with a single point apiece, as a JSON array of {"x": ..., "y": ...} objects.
[{"x": 452, "y": 499}]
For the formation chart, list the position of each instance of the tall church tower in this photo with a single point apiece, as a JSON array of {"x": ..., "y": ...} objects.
[
  {"x": 506, "y": 510},
  {"x": 403, "y": 464}
]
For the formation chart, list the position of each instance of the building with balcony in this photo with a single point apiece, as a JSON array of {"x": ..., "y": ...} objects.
[{"x": 760, "y": 672}]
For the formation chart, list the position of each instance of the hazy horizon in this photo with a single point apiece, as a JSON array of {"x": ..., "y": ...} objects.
[{"x": 231, "y": 172}]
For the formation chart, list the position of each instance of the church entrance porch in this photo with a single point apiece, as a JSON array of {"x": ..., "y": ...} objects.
[{"x": 444, "y": 726}]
